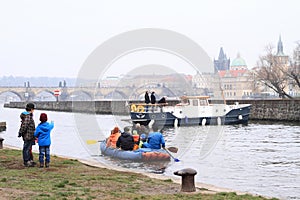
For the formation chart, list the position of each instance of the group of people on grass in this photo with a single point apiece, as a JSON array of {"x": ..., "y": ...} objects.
[
  {"x": 31, "y": 134},
  {"x": 137, "y": 137}
]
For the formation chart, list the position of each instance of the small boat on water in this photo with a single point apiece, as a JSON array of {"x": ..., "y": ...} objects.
[
  {"x": 142, "y": 154},
  {"x": 193, "y": 110}
]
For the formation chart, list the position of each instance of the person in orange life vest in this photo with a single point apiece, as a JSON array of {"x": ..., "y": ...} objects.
[
  {"x": 113, "y": 138},
  {"x": 136, "y": 139}
]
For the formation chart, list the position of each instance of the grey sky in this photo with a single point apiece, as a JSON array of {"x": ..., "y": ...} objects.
[{"x": 53, "y": 38}]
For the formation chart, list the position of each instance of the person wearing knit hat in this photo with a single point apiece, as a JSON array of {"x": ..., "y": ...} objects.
[
  {"x": 43, "y": 117},
  {"x": 42, "y": 133},
  {"x": 113, "y": 138},
  {"x": 26, "y": 131}
]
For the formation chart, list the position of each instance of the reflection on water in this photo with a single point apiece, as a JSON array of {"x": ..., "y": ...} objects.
[{"x": 261, "y": 158}]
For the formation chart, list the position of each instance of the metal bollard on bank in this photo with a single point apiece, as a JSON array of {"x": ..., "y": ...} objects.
[
  {"x": 1, "y": 143},
  {"x": 187, "y": 180}
]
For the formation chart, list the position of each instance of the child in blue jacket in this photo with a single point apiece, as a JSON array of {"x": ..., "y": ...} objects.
[{"x": 42, "y": 133}]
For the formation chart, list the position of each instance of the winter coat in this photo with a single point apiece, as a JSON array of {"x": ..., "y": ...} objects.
[
  {"x": 27, "y": 127},
  {"x": 112, "y": 140},
  {"x": 42, "y": 132},
  {"x": 125, "y": 142},
  {"x": 147, "y": 99},
  {"x": 155, "y": 141},
  {"x": 153, "y": 98}
]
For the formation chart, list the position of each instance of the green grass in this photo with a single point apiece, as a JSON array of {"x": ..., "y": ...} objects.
[{"x": 70, "y": 179}]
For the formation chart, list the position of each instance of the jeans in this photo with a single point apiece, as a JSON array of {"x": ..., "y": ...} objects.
[
  {"x": 44, "y": 152},
  {"x": 26, "y": 150}
]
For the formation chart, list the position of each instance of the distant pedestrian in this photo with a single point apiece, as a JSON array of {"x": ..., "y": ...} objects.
[
  {"x": 147, "y": 99},
  {"x": 42, "y": 133},
  {"x": 153, "y": 98},
  {"x": 26, "y": 131},
  {"x": 162, "y": 100}
]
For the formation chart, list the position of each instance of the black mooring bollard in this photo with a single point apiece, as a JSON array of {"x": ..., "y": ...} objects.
[
  {"x": 1, "y": 143},
  {"x": 187, "y": 181}
]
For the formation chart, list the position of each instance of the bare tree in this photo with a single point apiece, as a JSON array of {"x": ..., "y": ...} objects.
[
  {"x": 269, "y": 71},
  {"x": 294, "y": 72}
]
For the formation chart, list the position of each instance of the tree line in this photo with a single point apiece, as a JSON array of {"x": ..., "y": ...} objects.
[{"x": 278, "y": 72}]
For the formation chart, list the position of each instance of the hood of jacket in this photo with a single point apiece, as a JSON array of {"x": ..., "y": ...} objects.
[
  {"x": 45, "y": 126},
  {"x": 23, "y": 114}
]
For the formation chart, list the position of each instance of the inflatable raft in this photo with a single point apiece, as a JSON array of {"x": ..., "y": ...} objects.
[{"x": 142, "y": 154}]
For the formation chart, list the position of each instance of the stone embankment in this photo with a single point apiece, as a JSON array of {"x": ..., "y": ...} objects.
[{"x": 278, "y": 110}]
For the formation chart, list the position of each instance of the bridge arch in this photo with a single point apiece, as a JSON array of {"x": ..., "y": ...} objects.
[
  {"x": 117, "y": 94},
  {"x": 80, "y": 95},
  {"x": 44, "y": 95},
  {"x": 11, "y": 98}
]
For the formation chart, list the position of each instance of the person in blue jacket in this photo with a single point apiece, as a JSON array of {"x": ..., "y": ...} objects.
[
  {"x": 42, "y": 133},
  {"x": 155, "y": 139}
]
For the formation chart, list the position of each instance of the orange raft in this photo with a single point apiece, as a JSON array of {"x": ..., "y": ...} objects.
[{"x": 142, "y": 154}]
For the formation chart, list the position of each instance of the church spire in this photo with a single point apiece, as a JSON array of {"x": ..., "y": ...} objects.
[
  {"x": 221, "y": 54},
  {"x": 280, "y": 47}
]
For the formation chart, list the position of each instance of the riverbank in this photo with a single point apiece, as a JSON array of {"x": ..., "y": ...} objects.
[
  {"x": 82, "y": 179},
  {"x": 273, "y": 109}
]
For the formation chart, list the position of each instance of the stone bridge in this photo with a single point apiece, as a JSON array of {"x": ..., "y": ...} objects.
[{"x": 83, "y": 93}]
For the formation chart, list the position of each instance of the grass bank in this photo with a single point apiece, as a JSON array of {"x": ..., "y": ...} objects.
[{"x": 70, "y": 179}]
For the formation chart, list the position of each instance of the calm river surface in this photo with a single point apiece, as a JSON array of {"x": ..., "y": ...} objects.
[{"x": 261, "y": 158}]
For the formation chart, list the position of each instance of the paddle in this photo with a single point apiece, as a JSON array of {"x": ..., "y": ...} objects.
[
  {"x": 175, "y": 159},
  {"x": 92, "y": 141},
  {"x": 173, "y": 149}
]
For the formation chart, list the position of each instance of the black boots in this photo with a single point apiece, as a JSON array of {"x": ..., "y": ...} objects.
[{"x": 42, "y": 165}]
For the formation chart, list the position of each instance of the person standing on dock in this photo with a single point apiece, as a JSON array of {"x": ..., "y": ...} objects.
[
  {"x": 153, "y": 98},
  {"x": 26, "y": 131},
  {"x": 147, "y": 100}
]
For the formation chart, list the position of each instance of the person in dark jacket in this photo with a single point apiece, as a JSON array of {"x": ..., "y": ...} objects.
[
  {"x": 42, "y": 133},
  {"x": 162, "y": 100},
  {"x": 147, "y": 99},
  {"x": 153, "y": 98},
  {"x": 125, "y": 141},
  {"x": 26, "y": 131}
]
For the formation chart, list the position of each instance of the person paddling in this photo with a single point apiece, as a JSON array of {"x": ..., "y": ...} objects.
[{"x": 113, "y": 138}]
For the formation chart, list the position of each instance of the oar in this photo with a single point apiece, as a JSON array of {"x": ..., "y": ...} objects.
[
  {"x": 175, "y": 159},
  {"x": 173, "y": 149},
  {"x": 92, "y": 141}
]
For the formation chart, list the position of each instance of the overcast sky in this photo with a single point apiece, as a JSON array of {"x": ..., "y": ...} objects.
[{"x": 53, "y": 38}]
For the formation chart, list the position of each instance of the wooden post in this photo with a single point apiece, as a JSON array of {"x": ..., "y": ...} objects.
[
  {"x": 1, "y": 143},
  {"x": 2, "y": 126},
  {"x": 187, "y": 181}
]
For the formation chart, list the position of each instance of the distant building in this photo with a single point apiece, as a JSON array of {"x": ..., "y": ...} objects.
[
  {"x": 236, "y": 82},
  {"x": 222, "y": 63},
  {"x": 238, "y": 64},
  {"x": 281, "y": 57}
]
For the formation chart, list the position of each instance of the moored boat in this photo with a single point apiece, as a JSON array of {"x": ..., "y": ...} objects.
[
  {"x": 142, "y": 154},
  {"x": 193, "y": 110}
]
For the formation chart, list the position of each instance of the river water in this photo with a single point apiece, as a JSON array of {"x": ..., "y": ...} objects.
[{"x": 260, "y": 158}]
